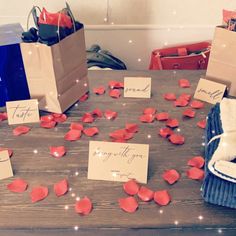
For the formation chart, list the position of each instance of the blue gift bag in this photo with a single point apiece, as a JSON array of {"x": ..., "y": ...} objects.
[{"x": 13, "y": 84}]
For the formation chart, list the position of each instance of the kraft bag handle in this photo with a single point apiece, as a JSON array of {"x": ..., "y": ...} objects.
[{"x": 33, "y": 11}]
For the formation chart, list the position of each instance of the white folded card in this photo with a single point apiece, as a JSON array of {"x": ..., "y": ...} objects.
[
  {"x": 118, "y": 161},
  {"x": 137, "y": 87}
]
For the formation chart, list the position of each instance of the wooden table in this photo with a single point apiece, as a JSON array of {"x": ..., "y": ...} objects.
[{"x": 186, "y": 215}]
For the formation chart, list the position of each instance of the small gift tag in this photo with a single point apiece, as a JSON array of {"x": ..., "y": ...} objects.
[
  {"x": 5, "y": 165},
  {"x": 137, "y": 87},
  {"x": 209, "y": 91},
  {"x": 21, "y": 112}
]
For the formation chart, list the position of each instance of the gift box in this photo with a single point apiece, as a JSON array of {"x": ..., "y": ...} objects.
[
  {"x": 219, "y": 186},
  {"x": 13, "y": 83}
]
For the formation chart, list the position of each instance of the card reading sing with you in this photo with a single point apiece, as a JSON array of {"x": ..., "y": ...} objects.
[
  {"x": 118, "y": 161},
  {"x": 5, "y": 165},
  {"x": 209, "y": 91},
  {"x": 137, "y": 87},
  {"x": 24, "y": 111}
]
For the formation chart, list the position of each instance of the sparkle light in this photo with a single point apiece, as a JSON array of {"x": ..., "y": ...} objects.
[
  {"x": 200, "y": 217},
  {"x": 203, "y": 144},
  {"x": 56, "y": 154},
  {"x": 149, "y": 136},
  {"x": 219, "y": 231},
  {"x": 30, "y": 53},
  {"x": 178, "y": 130},
  {"x": 124, "y": 104},
  {"x": 130, "y": 41},
  {"x": 77, "y": 81},
  {"x": 114, "y": 174},
  {"x": 73, "y": 195},
  {"x": 105, "y": 19},
  {"x": 76, "y": 104},
  {"x": 76, "y": 227},
  {"x": 85, "y": 84},
  {"x": 70, "y": 189},
  {"x": 66, "y": 207},
  {"x": 35, "y": 151},
  {"x": 161, "y": 211},
  {"x": 176, "y": 222},
  {"x": 139, "y": 59},
  {"x": 77, "y": 199},
  {"x": 76, "y": 173},
  {"x": 213, "y": 131}
]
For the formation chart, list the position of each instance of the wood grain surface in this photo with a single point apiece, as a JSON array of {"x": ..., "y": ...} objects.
[{"x": 18, "y": 216}]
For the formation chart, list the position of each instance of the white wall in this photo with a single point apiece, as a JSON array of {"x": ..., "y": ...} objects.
[{"x": 148, "y": 23}]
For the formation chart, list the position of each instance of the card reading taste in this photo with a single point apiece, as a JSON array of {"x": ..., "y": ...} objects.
[{"x": 24, "y": 111}]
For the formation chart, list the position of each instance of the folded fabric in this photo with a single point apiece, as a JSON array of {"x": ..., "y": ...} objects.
[{"x": 219, "y": 186}]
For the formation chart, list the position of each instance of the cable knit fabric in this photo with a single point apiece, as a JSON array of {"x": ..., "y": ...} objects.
[{"x": 215, "y": 189}]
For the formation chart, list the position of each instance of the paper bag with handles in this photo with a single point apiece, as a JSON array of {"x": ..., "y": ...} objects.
[
  {"x": 57, "y": 74},
  {"x": 222, "y": 62}
]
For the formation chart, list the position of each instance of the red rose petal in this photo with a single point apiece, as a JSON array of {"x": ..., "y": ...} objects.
[
  {"x": 76, "y": 126},
  {"x": 48, "y": 125},
  {"x": 61, "y": 188},
  {"x": 172, "y": 123},
  {"x": 196, "y": 104},
  {"x": 88, "y": 118},
  {"x": 121, "y": 134},
  {"x": 131, "y": 187},
  {"x": 58, "y": 151},
  {"x": 184, "y": 83},
  {"x": 73, "y": 135},
  {"x": 3, "y": 116},
  {"x": 128, "y": 204},
  {"x": 177, "y": 139},
  {"x": 60, "y": 118},
  {"x": 115, "y": 93},
  {"x": 185, "y": 96},
  {"x": 38, "y": 193},
  {"x": 17, "y": 186},
  {"x": 97, "y": 112},
  {"x": 47, "y": 118},
  {"x": 116, "y": 84},
  {"x": 84, "y": 98},
  {"x": 165, "y": 132},
  {"x": 149, "y": 110},
  {"x": 10, "y": 152},
  {"x": 162, "y": 116},
  {"x": 21, "y": 130},
  {"x": 197, "y": 161},
  {"x": 131, "y": 128},
  {"x": 181, "y": 102},
  {"x": 145, "y": 194},
  {"x": 90, "y": 132},
  {"x": 169, "y": 96},
  {"x": 189, "y": 113},
  {"x": 147, "y": 118},
  {"x": 84, "y": 206},
  {"x": 99, "y": 90},
  {"x": 171, "y": 176},
  {"x": 162, "y": 197},
  {"x": 110, "y": 115},
  {"x": 195, "y": 173},
  {"x": 202, "y": 124}
]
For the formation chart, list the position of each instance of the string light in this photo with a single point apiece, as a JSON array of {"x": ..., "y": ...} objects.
[
  {"x": 161, "y": 211},
  {"x": 130, "y": 41},
  {"x": 35, "y": 151},
  {"x": 149, "y": 136},
  {"x": 178, "y": 130},
  {"x": 76, "y": 173},
  {"x": 66, "y": 207},
  {"x": 139, "y": 59},
  {"x": 203, "y": 144},
  {"x": 76, "y": 227},
  {"x": 219, "y": 231},
  {"x": 73, "y": 195},
  {"x": 77, "y": 199}
]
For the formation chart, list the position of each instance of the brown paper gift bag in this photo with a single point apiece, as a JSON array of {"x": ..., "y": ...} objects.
[
  {"x": 57, "y": 74},
  {"x": 222, "y": 62}
]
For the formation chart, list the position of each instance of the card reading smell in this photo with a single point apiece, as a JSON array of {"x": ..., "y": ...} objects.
[
  {"x": 24, "y": 111},
  {"x": 5, "y": 165},
  {"x": 118, "y": 161},
  {"x": 209, "y": 91},
  {"x": 137, "y": 87}
]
